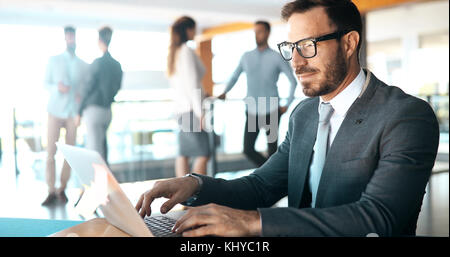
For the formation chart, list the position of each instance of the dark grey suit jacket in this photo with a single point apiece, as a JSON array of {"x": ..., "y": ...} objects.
[
  {"x": 373, "y": 180},
  {"x": 103, "y": 83}
]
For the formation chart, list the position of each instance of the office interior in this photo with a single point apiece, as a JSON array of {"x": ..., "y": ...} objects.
[{"x": 406, "y": 44}]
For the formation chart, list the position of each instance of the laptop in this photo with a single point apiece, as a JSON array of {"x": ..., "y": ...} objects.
[{"x": 103, "y": 190}]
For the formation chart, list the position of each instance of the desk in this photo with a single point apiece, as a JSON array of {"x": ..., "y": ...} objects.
[
  {"x": 100, "y": 227},
  {"x": 25, "y": 227},
  {"x": 97, "y": 227},
  {"x": 12, "y": 227}
]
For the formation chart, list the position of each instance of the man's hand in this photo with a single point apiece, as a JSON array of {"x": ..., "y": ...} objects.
[
  {"x": 283, "y": 110},
  {"x": 177, "y": 190},
  {"x": 222, "y": 96},
  {"x": 63, "y": 88},
  {"x": 213, "y": 219}
]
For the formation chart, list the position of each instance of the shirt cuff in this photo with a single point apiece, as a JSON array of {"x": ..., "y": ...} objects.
[{"x": 194, "y": 197}]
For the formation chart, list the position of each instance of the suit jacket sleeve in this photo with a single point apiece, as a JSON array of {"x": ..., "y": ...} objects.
[{"x": 263, "y": 188}]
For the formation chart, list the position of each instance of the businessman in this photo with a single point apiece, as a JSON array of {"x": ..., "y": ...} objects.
[
  {"x": 262, "y": 67},
  {"x": 103, "y": 83},
  {"x": 356, "y": 158}
]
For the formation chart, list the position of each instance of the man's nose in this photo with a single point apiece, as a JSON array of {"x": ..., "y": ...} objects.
[{"x": 297, "y": 59}]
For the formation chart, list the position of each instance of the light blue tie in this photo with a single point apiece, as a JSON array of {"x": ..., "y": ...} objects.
[{"x": 320, "y": 149}]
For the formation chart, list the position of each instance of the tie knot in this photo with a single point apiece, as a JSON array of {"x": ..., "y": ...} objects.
[{"x": 325, "y": 112}]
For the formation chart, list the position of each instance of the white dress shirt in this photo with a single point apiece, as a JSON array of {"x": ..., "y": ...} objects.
[
  {"x": 70, "y": 70},
  {"x": 342, "y": 102},
  {"x": 187, "y": 82}
]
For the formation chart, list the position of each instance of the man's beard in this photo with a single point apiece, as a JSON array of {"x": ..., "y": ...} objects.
[
  {"x": 335, "y": 73},
  {"x": 260, "y": 43}
]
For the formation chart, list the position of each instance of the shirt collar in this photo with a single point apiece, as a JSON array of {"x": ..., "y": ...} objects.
[
  {"x": 106, "y": 54},
  {"x": 69, "y": 55},
  {"x": 263, "y": 51},
  {"x": 342, "y": 102}
]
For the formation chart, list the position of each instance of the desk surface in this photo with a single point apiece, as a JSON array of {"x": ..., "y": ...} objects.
[
  {"x": 97, "y": 227},
  {"x": 12, "y": 227},
  {"x": 22, "y": 227}
]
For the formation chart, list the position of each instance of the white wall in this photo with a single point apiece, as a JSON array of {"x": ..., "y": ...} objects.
[
  {"x": 407, "y": 20},
  {"x": 407, "y": 23}
]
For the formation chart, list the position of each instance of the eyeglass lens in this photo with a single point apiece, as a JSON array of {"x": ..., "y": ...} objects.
[{"x": 306, "y": 48}]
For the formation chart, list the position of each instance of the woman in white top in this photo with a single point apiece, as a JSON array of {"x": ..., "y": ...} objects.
[{"x": 185, "y": 71}]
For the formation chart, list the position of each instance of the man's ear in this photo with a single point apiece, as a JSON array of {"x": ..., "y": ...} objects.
[{"x": 351, "y": 41}]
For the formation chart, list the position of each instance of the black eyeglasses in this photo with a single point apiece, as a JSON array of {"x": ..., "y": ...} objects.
[{"x": 307, "y": 47}]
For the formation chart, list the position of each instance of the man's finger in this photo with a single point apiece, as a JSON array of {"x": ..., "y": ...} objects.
[
  {"x": 169, "y": 204},
  {"x": 195, "y": 221},
  {"x": 191, "y": 212},
  {"x": 144, "y": 207},
  {"x": 147, "y": 202},
  {"x": 142, "y": 212},
  {"x": 139, "y": 203},
  {"x": 151, "y": 195},
  {"x": 201, "y": 231},
  {"x": 180, "y": 220}
]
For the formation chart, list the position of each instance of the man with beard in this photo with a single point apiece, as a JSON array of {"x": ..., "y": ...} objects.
[
  {"x": 356, "y": 158},
  {"x": 262, "y": 66},
  {"x": 63, "y": 80}
]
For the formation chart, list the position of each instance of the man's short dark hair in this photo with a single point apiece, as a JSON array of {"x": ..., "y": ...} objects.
[
  {"x": 342, "y": 13},
  {"x": 105, "y": 35},
  {"x": 69, "y": 29},
  {"x": 265, "y": 24}
]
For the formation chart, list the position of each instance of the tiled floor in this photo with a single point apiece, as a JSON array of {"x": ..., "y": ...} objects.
[{"x": 23, "y": 199}]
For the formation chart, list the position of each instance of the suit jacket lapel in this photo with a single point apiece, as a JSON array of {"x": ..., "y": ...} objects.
[
  {"x": 302, "y": 144},
  {"x": 353, "y": 122}
]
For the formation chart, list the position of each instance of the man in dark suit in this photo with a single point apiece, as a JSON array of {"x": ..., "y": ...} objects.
[
  {"x": 356, "y": 158},
  {"x": 103, "y": 83}
]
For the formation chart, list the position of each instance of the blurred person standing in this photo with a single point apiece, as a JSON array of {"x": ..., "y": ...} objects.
[
  {"x": 262, "y": 66},
  {"x": 185, "y": 71},
  {"x": 63, "y": 80},
  {"x": 104, "y": 81}
]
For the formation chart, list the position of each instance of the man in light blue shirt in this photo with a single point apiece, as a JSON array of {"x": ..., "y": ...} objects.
[
  {"x": 63, "y": 79},
  {"x": 262, "y": 66}
]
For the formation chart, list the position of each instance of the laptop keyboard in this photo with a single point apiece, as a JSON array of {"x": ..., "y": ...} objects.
[{"x": 161, "y": 226}]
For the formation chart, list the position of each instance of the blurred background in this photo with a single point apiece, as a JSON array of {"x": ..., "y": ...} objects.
[{"x": 406, "y": 44}]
